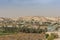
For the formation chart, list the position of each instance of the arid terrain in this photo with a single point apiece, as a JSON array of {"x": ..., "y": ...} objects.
[
  {"x": 31, "y": 26},
  {"x": 22, "y": 36}
]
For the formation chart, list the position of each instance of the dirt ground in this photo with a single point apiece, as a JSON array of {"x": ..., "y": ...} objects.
[{"x": 23, "y": 36}]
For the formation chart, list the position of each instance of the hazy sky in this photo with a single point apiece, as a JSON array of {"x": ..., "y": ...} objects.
[{"x": 15, "y": 8}]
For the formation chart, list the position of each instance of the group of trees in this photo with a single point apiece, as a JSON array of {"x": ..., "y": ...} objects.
[
  {"x": 21, "y": 22},
  {"x": 31, "y": 30},
  {"x": 20, "y": 29},
  {"x": 23, "y": 26}
]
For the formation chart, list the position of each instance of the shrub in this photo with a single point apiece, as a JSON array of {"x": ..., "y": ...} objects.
[
  {"x": 51, "y": 37},
  {"x": 55, "y": 35},
  {"x": 47, "y": 35}
]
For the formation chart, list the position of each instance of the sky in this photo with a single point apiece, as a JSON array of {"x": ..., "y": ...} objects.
[{"x": 15, "y": 8}]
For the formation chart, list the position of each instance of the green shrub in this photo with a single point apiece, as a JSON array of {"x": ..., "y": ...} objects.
[
  {"x": 51, "y": 37},
  {"x": 55, "y": 35},
  {"x": 47, "y": 35}
]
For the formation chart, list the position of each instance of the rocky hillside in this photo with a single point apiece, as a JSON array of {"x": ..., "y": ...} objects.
[
  {"x": 31, "y": 18},
  {"x": 31, "y": 22},
  {"x": 39, "y": 19}
]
